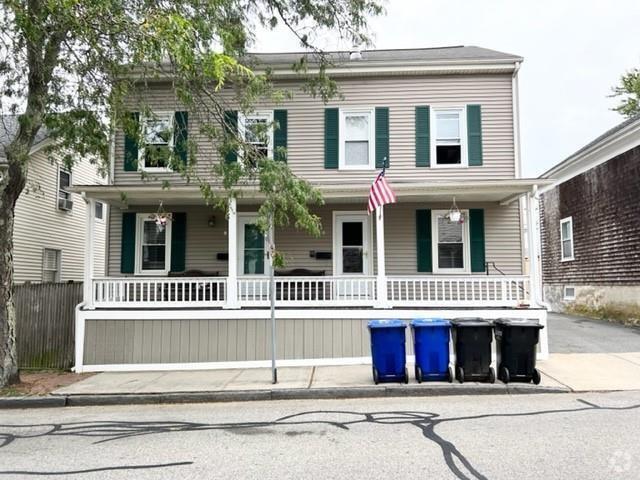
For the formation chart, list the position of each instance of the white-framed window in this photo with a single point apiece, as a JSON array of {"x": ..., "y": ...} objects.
[
  {"x": 51, "y": 263},
  {"x": 449, "y": 136},
  {"x": 357, "y": 139},
  {"x": 256, "y": 129},
  {"x": 566, "y": 239},
  {"x": 157, "y": 132},
  {"x": 153, "y": 246},
  {"x": 64, "y": 195},
  {"x": 569, "y": 293},
  {"x": 450, "y": 243},
  {"x": 99, "y": 211}
]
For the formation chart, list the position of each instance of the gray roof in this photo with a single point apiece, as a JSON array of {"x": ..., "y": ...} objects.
[
  {"x": 9, "y": 127},
  {"x": 596, "y": 141},
  {"x": 457, "y": 53}
]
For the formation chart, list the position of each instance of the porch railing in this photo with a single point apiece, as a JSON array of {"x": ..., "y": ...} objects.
[
  {"x": 131, "y": 292},
  {"x": 308, "y": 291},
  {"x": 452, "y": 291}
]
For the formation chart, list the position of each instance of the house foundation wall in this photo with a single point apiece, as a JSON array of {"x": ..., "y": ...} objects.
[{"x": 600, "y": 300}]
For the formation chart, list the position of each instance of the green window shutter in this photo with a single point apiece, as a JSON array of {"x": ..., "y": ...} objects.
[
  {"x": 331, "y": 137},
  {"x": 131, "y": 145},
  {"x": 128, "y": 243},
  {"x": 476, "y": 234},
  {"x": 423, "y": 241},
  {"x": 423, "y": 145},
  {"x": 382, "y": 137},
  {"x": 181, "y": 137},
  {"x": 474, "y": 135},
  {"x": 178, "y": 241},
  {"x": 231, "y": 130},
  {"x": 280, "y": 135}
]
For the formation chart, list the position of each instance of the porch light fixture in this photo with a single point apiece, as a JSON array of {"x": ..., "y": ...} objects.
[
  {"x": 455, "y": 215},
  {"x": 161, "y": 217}
]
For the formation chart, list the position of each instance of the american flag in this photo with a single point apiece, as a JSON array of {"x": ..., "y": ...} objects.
[{"x": 380, "y": 193}]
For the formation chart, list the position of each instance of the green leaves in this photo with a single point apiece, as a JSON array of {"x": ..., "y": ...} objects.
[{"x": 629, "y": 90}]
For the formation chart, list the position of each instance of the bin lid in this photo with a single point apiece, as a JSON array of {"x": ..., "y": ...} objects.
[
  {"x": 430, "y": 322},
  {"x": 519, "y": 322},
  {"x": 387, "y": 323},
  {"x": 471, "y": 322}
]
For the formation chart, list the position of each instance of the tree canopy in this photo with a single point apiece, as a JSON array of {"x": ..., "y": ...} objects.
[{"x": 628, "y": 90}]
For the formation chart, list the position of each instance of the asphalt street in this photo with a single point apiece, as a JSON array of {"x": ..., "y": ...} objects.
[
  {"x": 571, "y": 334},
  {"x": 467, "y": 437}
]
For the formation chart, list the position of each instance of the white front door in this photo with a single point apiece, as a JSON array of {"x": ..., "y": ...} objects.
[
  {"x": 251, "y": 248},
  {"x": 352, "y": 240}
]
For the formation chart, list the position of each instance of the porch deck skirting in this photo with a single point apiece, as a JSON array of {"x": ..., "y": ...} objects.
[{"x": 178, "y": 339}]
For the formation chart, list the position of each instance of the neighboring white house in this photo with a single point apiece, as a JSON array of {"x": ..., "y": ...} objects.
[{"x": 49, "y": 231}]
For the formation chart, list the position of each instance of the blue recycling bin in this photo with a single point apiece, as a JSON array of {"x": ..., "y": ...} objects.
[
  {"x": 431, "y": 346},
  {"x": 388, "y": 351}
]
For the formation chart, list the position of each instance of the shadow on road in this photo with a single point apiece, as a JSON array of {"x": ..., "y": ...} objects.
[{"x": 109, "y": 431}]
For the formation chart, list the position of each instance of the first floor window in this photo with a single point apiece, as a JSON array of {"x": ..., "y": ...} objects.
[
  {"x": 449, "y": 136},
  {"x": 450, "y": 243},
  {"x": 99, "y": 211},
  {"x": 158, "y": 141},
  {"x": 153, "y": 254},
  {"x": 51, "y": 265},
  {"x": 566, "y": 238},
  {"x": 64, "y": 195},
  {"x": 357, "y": 139}
]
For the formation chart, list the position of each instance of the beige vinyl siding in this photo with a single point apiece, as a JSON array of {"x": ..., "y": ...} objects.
[
  {"x": 39, "y": 224},
  {"x": 128, "y": 341},
  {"x": 401, "y": 95},
  {"x": 502, "y": 238}
]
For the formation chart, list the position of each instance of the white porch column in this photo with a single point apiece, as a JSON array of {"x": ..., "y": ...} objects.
[
  {"x": 232, "y": 275},
  {"x": 381, "y": 278},
  {"x": 89, "y": 255},
  {"x": 534, "y": 274}
]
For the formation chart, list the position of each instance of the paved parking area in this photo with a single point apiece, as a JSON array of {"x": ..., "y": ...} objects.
[{"x": 571, "y": 334}]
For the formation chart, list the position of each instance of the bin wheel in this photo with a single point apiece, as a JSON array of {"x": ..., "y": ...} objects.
[
  {"x": 460, "y": 374},
  {"x": 406, "y": 375},
  {"x": 418, "y": 374},
  {"x": 536, "y": 376},
  {"x": 450, "y": 375},
  {"x": 504, "y": 374},
  {"x": 492, "y": 375},
  {"x": 376, "y": 378}
]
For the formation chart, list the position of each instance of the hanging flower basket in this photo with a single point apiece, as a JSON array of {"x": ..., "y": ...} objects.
[{"x": 161, "y": 218}]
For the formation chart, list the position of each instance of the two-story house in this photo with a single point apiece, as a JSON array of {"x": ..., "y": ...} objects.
[
  {"x": 50, "y": 219},
  {"x": 195, "y": 293}
]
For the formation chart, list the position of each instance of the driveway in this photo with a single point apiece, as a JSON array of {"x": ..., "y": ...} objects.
[{"x": 571, "y": 334}]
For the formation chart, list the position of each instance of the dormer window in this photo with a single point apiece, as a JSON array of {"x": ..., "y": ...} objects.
[
  {"x": 449, "y": 131},
  {"x": 158, "y": 142}
]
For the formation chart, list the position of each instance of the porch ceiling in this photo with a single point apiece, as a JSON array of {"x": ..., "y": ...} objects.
[{"x": 500, "y": 191}]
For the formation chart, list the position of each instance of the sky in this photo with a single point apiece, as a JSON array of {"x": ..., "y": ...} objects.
[{"x": 574, "y": 53}]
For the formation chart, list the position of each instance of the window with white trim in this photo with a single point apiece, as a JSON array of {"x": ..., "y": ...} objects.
[
  {"x": 256, "y": 130},
  {"x": 155, "y": 156},
  {"x": 449, "y": 134},
  {"x": 451, "y": 250},
  {"x": 566, "y": 239},
  {"x": 64, "y": 195},
  {"x": 99, "y": 211},
  {"x": 357, "y": 134},
  {"x": 569, "y": 293},
  {"x": 51, "y": 265},
  {"x": 153, "y": 252}
]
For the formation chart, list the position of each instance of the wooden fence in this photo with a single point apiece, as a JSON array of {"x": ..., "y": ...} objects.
[{"x": 45, "y": 324}]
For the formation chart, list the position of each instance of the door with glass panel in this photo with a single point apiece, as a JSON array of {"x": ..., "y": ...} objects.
[
  {"x": 352, "y": 238},
  {"x": 252, "y": 261}
]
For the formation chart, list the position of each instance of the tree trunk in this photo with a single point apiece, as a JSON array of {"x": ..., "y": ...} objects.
[{"x": 11, "y": 184}]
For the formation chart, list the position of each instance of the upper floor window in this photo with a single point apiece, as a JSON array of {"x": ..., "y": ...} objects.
[
  {"x": 64, "y": 195},
  {"x": 566, "y": 239},
  {"x": 158, "y": 142},
  {"x": 152, "y": 254},
  {"x": 450, "y": 244},
  {"x": 256, "y": 130},
  {"x": 449, "y": 132},
  {"x": 357, "y": 139},
  {"x": 51, "y": 265}
]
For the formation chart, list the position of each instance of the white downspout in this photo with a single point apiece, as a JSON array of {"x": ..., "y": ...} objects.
[{"x": 515, "y": 102}]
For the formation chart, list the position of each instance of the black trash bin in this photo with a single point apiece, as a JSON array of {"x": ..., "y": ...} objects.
[
  {"x": 517, "y": 341},
  {"x": 472, "y": 339}
]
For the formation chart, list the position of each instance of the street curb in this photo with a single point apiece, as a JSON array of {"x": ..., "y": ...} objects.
[{"x": 329, "y": 393}]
